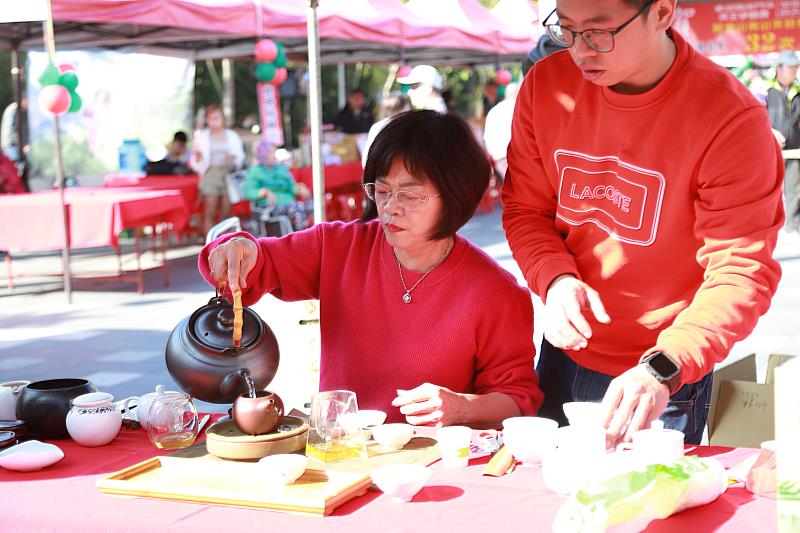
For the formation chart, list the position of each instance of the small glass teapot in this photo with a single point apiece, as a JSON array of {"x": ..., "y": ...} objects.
[{"x": 172, "y": 421}]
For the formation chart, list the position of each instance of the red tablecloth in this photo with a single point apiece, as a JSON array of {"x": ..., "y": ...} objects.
[
  {"x": 32, "y": 222},
  {"x": 336, "y": 176},
  {"x": 186, "y": 185},
  {"x": 64, "y": 498}
]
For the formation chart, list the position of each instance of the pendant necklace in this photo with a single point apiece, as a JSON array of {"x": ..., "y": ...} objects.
[{"x": 407, "y": 295}]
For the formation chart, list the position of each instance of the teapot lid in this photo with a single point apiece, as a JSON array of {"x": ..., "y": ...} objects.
[{"x": 212, "y": 325}]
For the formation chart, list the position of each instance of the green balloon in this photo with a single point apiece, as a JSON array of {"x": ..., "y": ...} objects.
[
  {"x": 280, "y": 59},
  {"x": 50, "y": 76},
  {"x": 265, "y": 72},
  {"x": 76, "y": 102},
  {"x": 69, "y": 80}
]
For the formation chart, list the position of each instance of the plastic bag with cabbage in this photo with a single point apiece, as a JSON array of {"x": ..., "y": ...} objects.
[{"x": 655, "y": 491}]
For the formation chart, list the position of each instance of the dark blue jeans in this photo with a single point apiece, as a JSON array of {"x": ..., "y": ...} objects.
[{"x": 562, "y": 380}]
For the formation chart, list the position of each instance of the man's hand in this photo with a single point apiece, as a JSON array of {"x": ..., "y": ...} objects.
[
  {"x": 232, "y": 261},
  {"x": 633, "y": 400},
  {"x": 565, "y": 326},
  {"x": 431, "y": 405}
]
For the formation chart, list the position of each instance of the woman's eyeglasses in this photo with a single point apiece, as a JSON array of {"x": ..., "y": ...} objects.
[{"x": 408, "y": 200}]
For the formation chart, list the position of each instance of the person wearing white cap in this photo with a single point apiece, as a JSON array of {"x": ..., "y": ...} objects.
[
  {"x": 783, "y": 106},
  {"x": 426, "y": 87}
]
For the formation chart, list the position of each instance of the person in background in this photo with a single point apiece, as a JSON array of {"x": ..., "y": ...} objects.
[
  {"x": 175, "y": 162},
  {"x": 497, "y": 129},
  {"x": 10, "y": 181},
  {"x": 354, "y": 117},
  {"x": 416, "y": 320},
  {"x": 643, "y": 203},
  {"x": 783, "y": 106},
  {"x": 490, "y": 96},
  {"x": 392, "y": 105},
  {"x": 426, "y": 88},
  {"x": 216, "y": 152},
  {"x": 270, "y": 184}
]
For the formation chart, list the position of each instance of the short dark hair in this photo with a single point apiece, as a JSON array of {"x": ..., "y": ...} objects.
[
  {"x": 180, "y": 137},
  {"x": 440, "y": 147}
]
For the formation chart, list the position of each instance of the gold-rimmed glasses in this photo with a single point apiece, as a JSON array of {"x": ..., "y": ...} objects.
[{"x": 408, "y": 200}]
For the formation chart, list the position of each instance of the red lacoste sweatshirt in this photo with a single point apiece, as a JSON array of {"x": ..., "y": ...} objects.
[
  {"x": 668, "y": 203},
  {"x": 469, "y": 326}
]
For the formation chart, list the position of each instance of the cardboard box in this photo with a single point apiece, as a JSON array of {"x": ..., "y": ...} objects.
[{"x": 742, "y": 412}]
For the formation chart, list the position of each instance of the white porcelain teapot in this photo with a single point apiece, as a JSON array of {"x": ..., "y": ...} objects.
[
  {"x": 140, "y": 405},
  {"x": 9, "y": 391}
]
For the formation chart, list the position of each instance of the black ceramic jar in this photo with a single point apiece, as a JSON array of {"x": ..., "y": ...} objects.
[{"x": 44, "y": 405}]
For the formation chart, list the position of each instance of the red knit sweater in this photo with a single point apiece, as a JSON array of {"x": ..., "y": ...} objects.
[
  {"x": 469, "y": 326},
  {"x": 668, "y": 203}
]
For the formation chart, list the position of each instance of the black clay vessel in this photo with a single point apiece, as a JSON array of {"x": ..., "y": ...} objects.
[{"x": 44, "y": 405}]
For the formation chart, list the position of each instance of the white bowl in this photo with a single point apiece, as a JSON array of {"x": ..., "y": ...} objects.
[
  {"x": 393, "y": 436},
  {"x": 401, "y": 482},
  {"x": 529, "y": 437},
  {"x": 284, "y": 468},
  {"x": 583, "y": 413},
  {"x": 30, "y": 455},
  {"x": 370, "y": 417}
]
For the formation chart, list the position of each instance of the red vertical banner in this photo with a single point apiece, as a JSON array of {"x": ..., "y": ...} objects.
[
  {"x": 747, "y": 27},
  {"x": 269, "y": 107}
]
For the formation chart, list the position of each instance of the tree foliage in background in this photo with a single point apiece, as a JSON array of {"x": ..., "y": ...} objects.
[{"x": 6, "y": 83}]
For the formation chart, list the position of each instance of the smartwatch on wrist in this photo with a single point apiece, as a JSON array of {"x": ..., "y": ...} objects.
[{"x": 662, "y": 367}]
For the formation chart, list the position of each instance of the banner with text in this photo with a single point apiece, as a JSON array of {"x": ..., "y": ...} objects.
[
  {"x": 269, "y": 107},
  {"x": 748, "y": 27}
]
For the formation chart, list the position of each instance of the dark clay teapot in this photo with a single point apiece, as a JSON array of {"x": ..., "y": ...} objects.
[{"x": 202, "y": 360}]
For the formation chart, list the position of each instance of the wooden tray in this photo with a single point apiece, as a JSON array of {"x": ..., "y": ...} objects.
[
  {"x": 194, "y": 475},
  {"x": 317, "y": 491}
]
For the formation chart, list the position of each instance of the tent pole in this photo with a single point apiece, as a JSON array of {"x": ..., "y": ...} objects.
[
  {"x": 20, "y": 96},
  {"x": 341, "y": 89},
  {"x": 50, "y": 46},
  {"x": 315, "y": 112}
]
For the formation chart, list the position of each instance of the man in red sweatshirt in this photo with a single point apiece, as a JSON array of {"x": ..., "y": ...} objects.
[{"x": 642, "y": 204}]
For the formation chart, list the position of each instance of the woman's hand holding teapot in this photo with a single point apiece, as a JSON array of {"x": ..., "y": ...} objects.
[{"x": 232, "y": 261}]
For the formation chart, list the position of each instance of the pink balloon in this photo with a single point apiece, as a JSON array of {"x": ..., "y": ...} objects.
[
  {"x": 266, "y": 51},
  {"x": 66, "y": 67},
  {"x": 503, "y": 77},
  {"x": 55, "y": 99},
  {"x": 280, "y": 76},
  {"x": 403, "y": 71}
]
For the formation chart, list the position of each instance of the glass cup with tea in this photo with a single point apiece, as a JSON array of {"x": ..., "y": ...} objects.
[
  {"x": 172, "y": 421},
  {"x": 334, "y": 427}
]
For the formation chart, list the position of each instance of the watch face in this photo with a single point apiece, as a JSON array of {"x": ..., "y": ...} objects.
[{"x": 663, "y": 365}]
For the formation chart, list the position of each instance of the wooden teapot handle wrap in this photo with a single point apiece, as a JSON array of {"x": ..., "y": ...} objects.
[{"x": 238, "y": 320}]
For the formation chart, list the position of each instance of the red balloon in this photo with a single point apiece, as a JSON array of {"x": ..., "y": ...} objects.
[
  {"x": 503, "y": 77},
  {"x": 280, "y": 76},
  {"x": 266, "y": 51},
  {"x": 55, "y": 99},
  {"x": 66, "y": 67},
  {"x": 403, "y": 71}
]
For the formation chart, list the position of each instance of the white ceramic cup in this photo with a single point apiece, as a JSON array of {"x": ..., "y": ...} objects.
[
  {"x": 529, "y": 437},
  {"x": 453, "y": 442},
  {"x": 655, "y": 445}
]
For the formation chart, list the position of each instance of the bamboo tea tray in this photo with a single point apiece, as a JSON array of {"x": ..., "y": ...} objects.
[{"x": 235, "y": 483}]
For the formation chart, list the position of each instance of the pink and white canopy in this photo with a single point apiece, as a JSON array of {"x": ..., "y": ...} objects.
[{"x": 350, "y": 30}]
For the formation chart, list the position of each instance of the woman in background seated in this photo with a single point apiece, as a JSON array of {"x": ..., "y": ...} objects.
[
  {"x": 216, "y": 152},
  {"x": 414, "y": 319},
  {"x": 270, "y": 184}
]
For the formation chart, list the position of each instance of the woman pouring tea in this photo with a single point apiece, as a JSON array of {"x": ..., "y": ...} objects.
[{"x": 416, "y": 320}]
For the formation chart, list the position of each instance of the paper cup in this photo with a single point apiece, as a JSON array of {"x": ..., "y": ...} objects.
[{"x": 453, "y": 442}]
